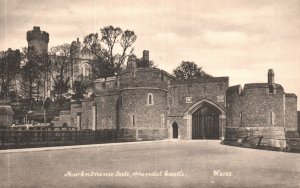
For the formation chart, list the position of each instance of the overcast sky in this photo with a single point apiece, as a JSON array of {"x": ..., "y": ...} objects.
[{"x": 239, "y": 39}]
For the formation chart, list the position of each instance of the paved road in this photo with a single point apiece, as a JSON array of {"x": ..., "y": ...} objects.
[{"x": 187, "y": 163}]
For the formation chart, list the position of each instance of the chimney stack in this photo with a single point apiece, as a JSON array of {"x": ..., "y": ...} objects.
[
  {"x": 271, "y": 77},
  {"x": 146, "y": 55}
]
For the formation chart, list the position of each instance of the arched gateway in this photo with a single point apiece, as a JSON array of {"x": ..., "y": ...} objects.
[{"x": 204, "y": 120}]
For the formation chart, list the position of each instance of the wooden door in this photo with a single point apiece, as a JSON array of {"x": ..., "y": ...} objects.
[{"x": 205, "y": 123}]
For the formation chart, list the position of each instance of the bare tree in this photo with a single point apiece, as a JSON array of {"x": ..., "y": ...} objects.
[
  {"x": 9, "y": 67},
  {"x": 60, "y": 69},
  {"x": 31, "y": 71},
  {"x": 111, "y": 50}
]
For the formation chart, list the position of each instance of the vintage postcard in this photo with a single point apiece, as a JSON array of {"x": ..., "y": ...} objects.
[{"x": 149, "y": 93}]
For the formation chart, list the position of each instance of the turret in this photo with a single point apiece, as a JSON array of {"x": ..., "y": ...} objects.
[
  {"x": 38, "y": 40},
  {"x": 131, "y": 63},
  {"x": 75, "y": 48}
]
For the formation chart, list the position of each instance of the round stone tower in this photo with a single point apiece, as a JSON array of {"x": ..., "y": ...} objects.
[{"x": 38, "y": 40}]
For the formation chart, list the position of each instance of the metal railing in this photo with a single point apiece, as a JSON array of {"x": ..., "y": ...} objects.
[{"x": 41, "y": 138}]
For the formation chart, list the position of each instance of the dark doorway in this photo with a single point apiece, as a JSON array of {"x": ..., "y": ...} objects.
[
  {"x": 175, "y": 130},
  {"x": 205, "y": 123}
]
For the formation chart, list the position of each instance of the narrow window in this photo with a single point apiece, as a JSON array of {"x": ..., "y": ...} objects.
[
  {"x": 150, "y": 99},
  {"x": 241, "y": 118},
  {"x": 272, "y": 117},
  {"x": 133, "y": 119},
  {"x": 162, "y": 119}
]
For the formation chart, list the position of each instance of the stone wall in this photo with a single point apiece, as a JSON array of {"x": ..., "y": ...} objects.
[
  {"x": 64, "y": 118},
  {"x": 233, "y": 106},
  {"x": 254, "y": 106},
  {"x": 184, "y": 94},
  {"x": 144, "y": 77},
  {"x": 181, "y": 126},
  {"x": 86, "y": 115},
  {"x": 256, "y": 137},
  {"x": 6, "y": 115},
  {"x": 107, "y": 110},
  {"x": 75, "y": 110},
  {"x": 291, "y": 111},
  {"x": 299, "y": 121},
  {"x": 134, "y": 102}
]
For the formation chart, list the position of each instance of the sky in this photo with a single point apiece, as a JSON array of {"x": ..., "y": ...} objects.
[{"x": 240, "y": 39}]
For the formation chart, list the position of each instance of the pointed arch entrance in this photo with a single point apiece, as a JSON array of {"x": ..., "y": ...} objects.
[
  {"x": 205, "y": 123},
  {"x": 205, "y": 120}
]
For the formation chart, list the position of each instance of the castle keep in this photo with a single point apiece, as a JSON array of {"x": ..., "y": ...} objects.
[{"x": 38, "y": 40}]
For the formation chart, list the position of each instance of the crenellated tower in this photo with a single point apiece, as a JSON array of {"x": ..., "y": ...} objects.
[{"x": 38, "y": 40}]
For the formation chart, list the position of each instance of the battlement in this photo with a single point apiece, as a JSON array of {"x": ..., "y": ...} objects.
[
  {"x": 261, "y": 85},
  {"x": 236, "y": 89},
  {"x": 37, "y": 34},
  {"x": 291, "y": 95},
  {"x": 202, "y": 80},
  {"x": 252, "y": 87},
  {"x": 103, "y": 84}
]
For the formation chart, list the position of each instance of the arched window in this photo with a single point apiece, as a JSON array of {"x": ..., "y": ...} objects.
[{"x": 150, "y": 100}]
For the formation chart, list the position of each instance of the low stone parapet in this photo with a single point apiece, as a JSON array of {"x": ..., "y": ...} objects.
[{"x": 260, "y": 137}]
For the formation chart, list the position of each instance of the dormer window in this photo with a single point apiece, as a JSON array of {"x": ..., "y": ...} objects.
[{"x": 150, "y": 99}]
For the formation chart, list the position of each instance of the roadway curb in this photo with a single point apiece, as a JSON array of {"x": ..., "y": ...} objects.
[{"x": 24, "y": 150}]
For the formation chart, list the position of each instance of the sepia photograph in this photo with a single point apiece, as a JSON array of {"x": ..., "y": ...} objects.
[{"x": 150, "y": 93}]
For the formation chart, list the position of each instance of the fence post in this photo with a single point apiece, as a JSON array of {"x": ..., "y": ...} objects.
[
  {"x": 3, "y": 136},
  {"x": 27, "y": 137},
  {"x": 47, "y": 137}
]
